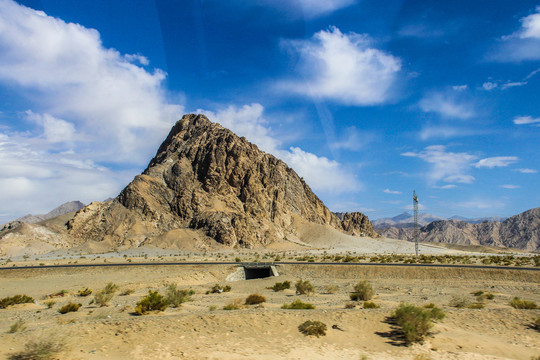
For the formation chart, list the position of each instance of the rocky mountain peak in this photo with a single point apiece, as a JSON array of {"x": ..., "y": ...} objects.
[{"x": 209, "y": 181}]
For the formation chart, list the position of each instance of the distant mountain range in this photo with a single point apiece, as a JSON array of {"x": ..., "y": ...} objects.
[
  {"x": 406, "y": 220},
  {"x": 521, "y": 231},
  {"x": 60, "y": 210}
]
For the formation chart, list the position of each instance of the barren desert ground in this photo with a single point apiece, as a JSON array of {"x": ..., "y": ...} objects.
[{"x": 201, "y": 329}]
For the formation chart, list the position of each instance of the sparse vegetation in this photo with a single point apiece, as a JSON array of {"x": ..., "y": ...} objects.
[
  {"x": 176, "y": 297},
  {"x": 370, "y": 305},
  {"x": 104, "y": 297},
  {"x": 298, "y": 305},
  {"x": 255, "y": 299},
  {"x": 70, "y": 307},
  {"x": 350, "y": 305},
  {"x": 304, "y": 287},
  {"x": 84, "y": 292},
  {"x": 218, "y": 289},
  {"x": 111, "y": 288},
  {"x": 280, "y": 286},
  {"x": 17, "y": 326},
  {"x": 415, "y": 322},
  {"x": 212, "y": 308},
  {"x": 154, "y": 301},
  {"x": 517, "y": 303},
  {"x": 41, "y": 349},
  {"x": 362, "y": 291},
  {"x": 17, "y": 299},
  {"x": 476, "y": 306},
  {"x": 315, "y": 328},
  {"x": 50, "y": 303}
]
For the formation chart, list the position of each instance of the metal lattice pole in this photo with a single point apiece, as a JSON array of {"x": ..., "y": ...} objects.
[{"x": 415, "y": 233}]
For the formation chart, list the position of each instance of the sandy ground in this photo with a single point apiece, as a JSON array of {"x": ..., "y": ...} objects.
[{"x": 196, "y": 331}]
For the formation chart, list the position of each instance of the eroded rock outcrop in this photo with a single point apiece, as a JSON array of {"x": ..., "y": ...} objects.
[{"x": 207, "y": 179}]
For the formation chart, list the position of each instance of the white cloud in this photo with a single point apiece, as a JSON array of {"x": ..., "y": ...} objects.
[
  {"x": 89, "y": 104},
  {"x": 445, "y": 166},
  {"x": 344, "y": 68},
  {"x": 510, "y": 85},
  {"x": 445, "y": 187},
  {"x": 496, "y": 161},
  {"x": 531, "y": 26},
  {"x": 523, "y": 44},
  {"x": 321, "y": 173},
  {"x": 525, "y": 120},
  {"x": 354, "y": 140},
  {"x": 89, "y": 88},
  {"x": 527, "y": 171},
  {"x": 445, "y": 132},
  {"x": 460, "y": 87},
  {"x": 447, "y": 105},
  {"x": 488, "y": 85},
  {"x": 480, "y": 204},
  {"x": 508, "y": 186},
  {"x": 395, "y": 192}
]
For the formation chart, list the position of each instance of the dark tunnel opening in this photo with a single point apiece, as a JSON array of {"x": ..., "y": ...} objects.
[{"x": 258, "y": 273}]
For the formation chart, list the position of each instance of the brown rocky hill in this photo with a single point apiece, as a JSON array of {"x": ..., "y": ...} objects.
[
  {"x": 520, "y": 231},
  {"x": 205, "y": 183}
]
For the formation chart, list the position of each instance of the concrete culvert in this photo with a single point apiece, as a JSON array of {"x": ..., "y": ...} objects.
[{"x": 253, "y": 271}]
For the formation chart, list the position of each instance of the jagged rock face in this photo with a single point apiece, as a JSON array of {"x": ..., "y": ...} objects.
[
  {"x": 358, "y": 224},
  {"x": 206, "y": 178},
  {"x": 520, "y": 231}
]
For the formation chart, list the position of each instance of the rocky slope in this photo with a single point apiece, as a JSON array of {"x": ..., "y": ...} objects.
[
  {"x": 60, "y": 210},
  {"x": 520, "y": 231},
  {"x": 210, "y": 183}
]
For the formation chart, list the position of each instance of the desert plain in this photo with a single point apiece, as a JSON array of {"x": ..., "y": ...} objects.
[{"x": 202, "y": 329}]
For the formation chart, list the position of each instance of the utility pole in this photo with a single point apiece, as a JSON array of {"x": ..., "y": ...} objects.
[{"x": 415, "y": 233}]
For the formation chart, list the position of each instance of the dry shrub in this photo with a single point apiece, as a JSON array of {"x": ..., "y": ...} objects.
[
  {"x": 70, "y": 307},
  {"x": 350, "y": 305},
  {"x": 315, "y": 328},
  {"x": 370, "y": 305},
  {"x": 50, "y": 303},
  {"x": 304, "y": 287},
  {"x": 17, "y": 326},
  {"x": 84, "y": 292},
  {"x": 218, "y": 289},
  {"x": 40, "y": 349},
  {"x": 331, "y": 289},
  {"x": 255, "y": 299},
  {"x": 154, "y": 301},
  {"x": 362, "y": 291},
  {"x": 415, "y": 322},
  {"x": 234, "y": 305},
  {"x": 104, "y": 297},
  {"x": 176, "y": 297},
  {"x": 280, "y": 286},
  {"x": 459, "y": 302},
  {"x": 17, "y": 299},
  {"x": 298, "y": 305},
  {"x": 517, "y": 303},
  {"x": 476, "y": 306}
]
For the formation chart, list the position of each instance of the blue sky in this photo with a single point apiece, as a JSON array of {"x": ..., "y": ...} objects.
[{"x": 365, "y": 101}]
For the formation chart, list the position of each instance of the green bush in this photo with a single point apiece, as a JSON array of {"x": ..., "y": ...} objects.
[
  {"x": 255, "y": 299},
  {"x": 71, "y": 307},
  {"x": 17, "y": 326},
  {"x": 298, "y": 305},
  {"x": 517, "y": 303},
  {"x": 176, "y": 297},
  {"x": 17, "y": 299},
  {"x": 280, "y": 286},
  {"x": 362, "y": 291},
  {"x": 154, "y": 301},
  {"x": 84, "y": 292},
  {"x": 39, "y": 350},
  {"x": 304, "y": 287},
  {"x": 415, "y": 322},
  {"x": 370, "y": 305},
  {"x": 315, "y": 328}
]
